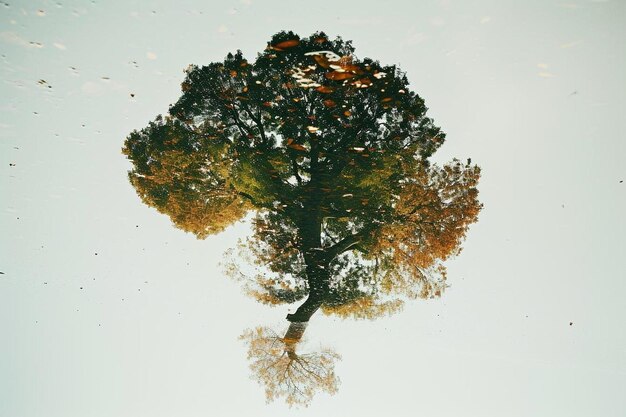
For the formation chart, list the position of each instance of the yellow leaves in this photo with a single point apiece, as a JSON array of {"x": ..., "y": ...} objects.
[
  {"x": 284, "y": 373},
  {"x": 364, "y": 308},
  {"x": 199, "y": 211},
  {"x": 434, "y": 210},
  {"x": 186, "y": 186}
]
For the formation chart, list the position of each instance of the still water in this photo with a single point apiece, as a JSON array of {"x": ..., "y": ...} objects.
[{"x": 246, "y": 208}]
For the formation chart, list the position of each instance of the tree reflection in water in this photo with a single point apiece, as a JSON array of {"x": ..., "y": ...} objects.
[
  {"x": 283, "y": 371},
  {"x": 330, "y": 153}
]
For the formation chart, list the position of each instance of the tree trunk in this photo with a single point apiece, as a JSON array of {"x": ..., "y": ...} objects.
[
  {"x": 306, "y": 310},
  {"x": 310, "y": 229},
  {"x": 294, "y": 332},
  {"x": 292, "y": 337},
  {"x": 318, "y": 279}
]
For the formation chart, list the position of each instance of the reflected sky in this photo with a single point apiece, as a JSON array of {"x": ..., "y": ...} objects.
[{"x": 109, "y": 310}]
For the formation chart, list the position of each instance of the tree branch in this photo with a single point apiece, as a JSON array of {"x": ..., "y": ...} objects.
[
  {"x": 347, "y": 243},
  {"x": 257, "y": 122},
  {"x": 294, "y": 168}
]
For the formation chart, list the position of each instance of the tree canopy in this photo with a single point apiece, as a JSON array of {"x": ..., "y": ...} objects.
[{"x": 330, "y": 153}]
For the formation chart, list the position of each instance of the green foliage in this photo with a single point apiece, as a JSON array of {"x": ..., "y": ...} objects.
[{"x": 331, "y": 153}]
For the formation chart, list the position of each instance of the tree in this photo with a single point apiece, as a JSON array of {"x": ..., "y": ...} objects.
[
  {"x": 276, "y": 364},
  {"x": 331, "y": 155}
]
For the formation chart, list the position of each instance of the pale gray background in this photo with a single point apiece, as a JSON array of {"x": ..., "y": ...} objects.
[{"x": 532, "y": 91}]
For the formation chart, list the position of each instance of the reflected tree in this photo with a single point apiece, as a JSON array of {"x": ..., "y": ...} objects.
[
  {"x": 330, "y": 155},
  {"x": 283, "y": 372}
]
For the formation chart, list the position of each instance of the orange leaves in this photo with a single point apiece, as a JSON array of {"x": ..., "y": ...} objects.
[
  {"x": 434, "y": 210},
  {"x": 280, "y": 46},
  {"x": 339, "y": 76},
  {"x": 322, "y": 61},
  {"x": 295, "y": 146},
  {"x": 325, "y": 89},
  {"x": 347, "y": 67},
  {"x": 343, "y": 68},
  {"x": 329, "y": 103}
]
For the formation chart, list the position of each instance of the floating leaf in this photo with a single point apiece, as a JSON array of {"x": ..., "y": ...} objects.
[
  {"x": 321, "y": 61},
  {"x": 355, "y": 69},
  {"x": 363, "y": 82},
  {"x": 287, "y": 44},
  {"x": 325, "y": 89},
  {"x": 338, "y": 76},
  {"x": 297, "y": 147}
]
